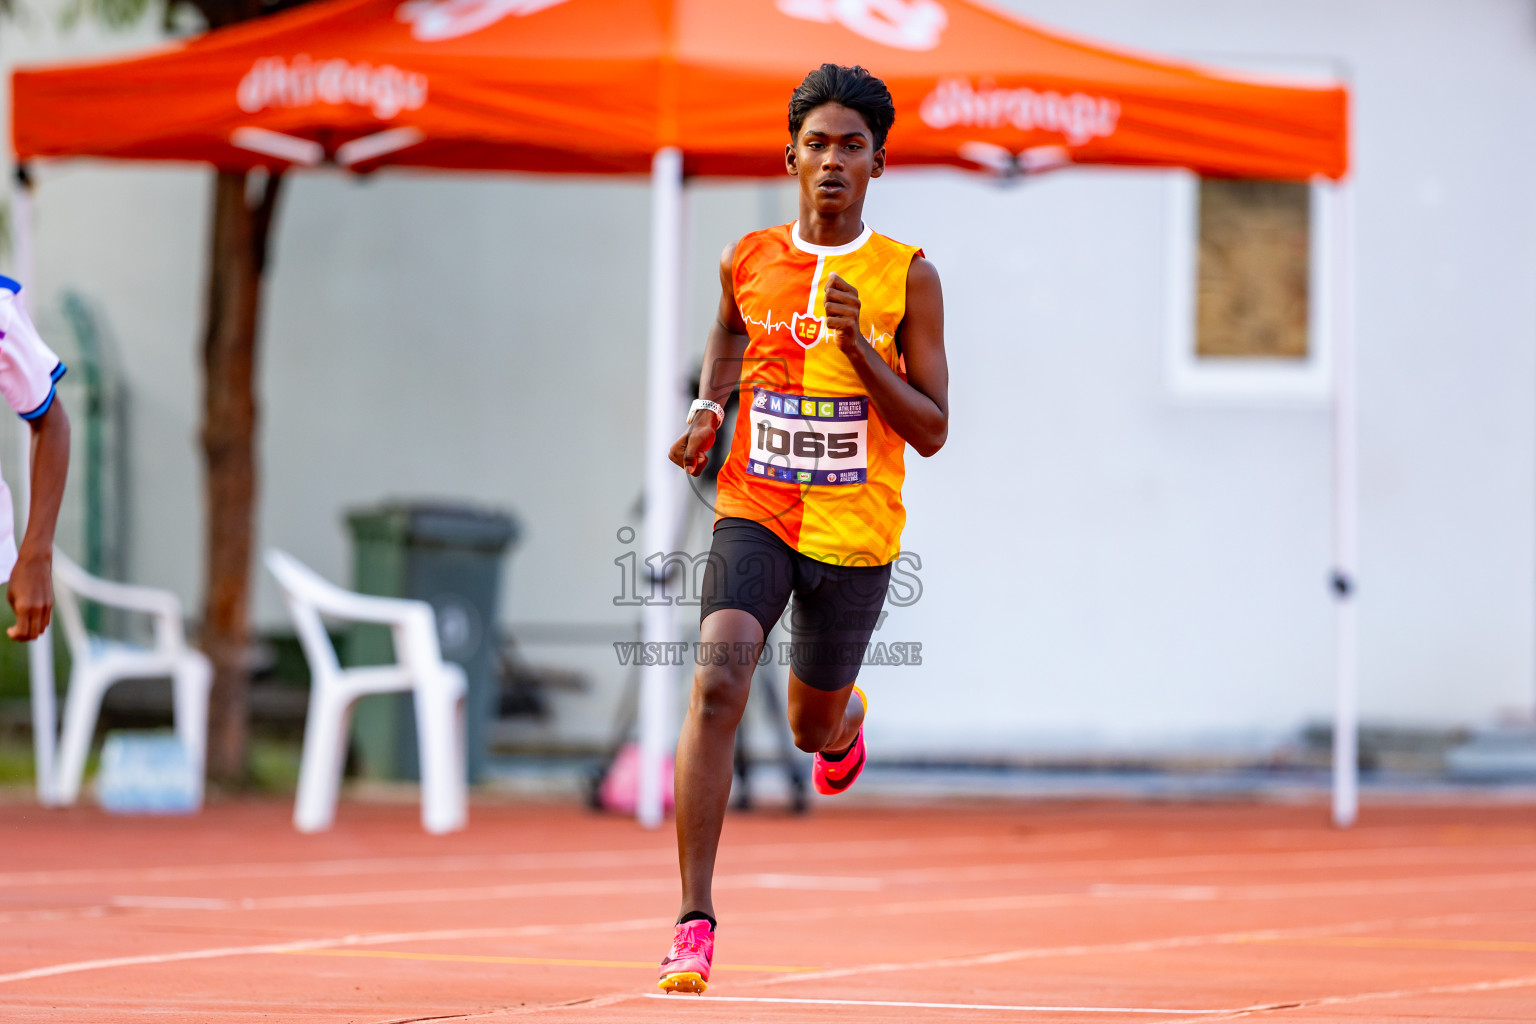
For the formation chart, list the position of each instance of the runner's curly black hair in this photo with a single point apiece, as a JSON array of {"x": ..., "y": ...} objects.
[{"x": 854, "y": 88}]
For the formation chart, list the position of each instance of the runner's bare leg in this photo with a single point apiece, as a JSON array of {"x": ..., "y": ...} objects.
[{"x": 706, "y": 750}]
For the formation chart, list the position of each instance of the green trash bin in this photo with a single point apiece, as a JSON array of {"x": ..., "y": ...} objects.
[{"x": 450, "y": 557}]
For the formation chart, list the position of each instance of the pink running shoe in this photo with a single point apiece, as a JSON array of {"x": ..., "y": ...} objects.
[
  {"x": 686, "y": 967},
  {"x": 833, "y": 777}
]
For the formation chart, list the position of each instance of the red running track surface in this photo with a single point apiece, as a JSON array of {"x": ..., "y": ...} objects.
[{"x": 1090, "y": 912}]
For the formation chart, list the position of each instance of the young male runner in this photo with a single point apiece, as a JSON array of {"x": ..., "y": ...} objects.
[{"x": 835, "y": 336}]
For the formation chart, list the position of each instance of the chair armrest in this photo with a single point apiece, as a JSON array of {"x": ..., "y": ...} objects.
[
  {"x": 412, "y": 622},
  {"x": 412, "y": 625},
  {"x": 150, "y": 600},
  {"x": 415, "y": 637},
  {"x": 305, "y": 585},
  {"x": 386, "y": 611}
]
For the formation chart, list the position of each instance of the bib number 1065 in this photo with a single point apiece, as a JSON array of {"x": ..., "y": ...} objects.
[
  {"x": 804, "y": 440},
  {"x": 806, "y": 444}
]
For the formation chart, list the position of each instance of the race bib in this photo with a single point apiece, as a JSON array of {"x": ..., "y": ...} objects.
[{"x": 801, "y": 439}]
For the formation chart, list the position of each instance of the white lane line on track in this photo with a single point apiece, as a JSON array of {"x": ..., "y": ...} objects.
[
  {"x": 1113, "y": 890},
  {"x": 927, "y": 1006},
  {"x": 598, "y": 859},
  {"x": 173, "y": 903},
  {"x": 63, "y": 914},
  {"x": 828, "y": 883},
  {"x": 516, "y": 890},
  {"x": 1495, "y": 985},
  {"x": 334, "y": 942},
  {"x": 661, "y": 923},
  {"x": 1142, "y": 866},
  {"x": 1384, "y": 887},
  {"x": 1500, "y": 984},
  {"x": 1300, "y": 859},
  {"x": 1134, "y": 946},
  {"x": 582, "y": 859}
]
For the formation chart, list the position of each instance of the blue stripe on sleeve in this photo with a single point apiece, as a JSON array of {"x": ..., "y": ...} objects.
[{"x": 47, "y": 404}]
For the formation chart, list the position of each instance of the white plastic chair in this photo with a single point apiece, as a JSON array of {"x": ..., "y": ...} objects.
[
  {"x": 439, "y": 689},
  {"x": 98, "y": 662}
]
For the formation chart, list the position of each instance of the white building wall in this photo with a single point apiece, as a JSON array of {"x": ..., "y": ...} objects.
[{"x": 1104, "y": 564}]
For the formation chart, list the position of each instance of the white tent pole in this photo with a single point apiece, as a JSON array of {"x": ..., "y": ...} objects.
[
  {"x": 1346, "y": 779},
  {"x": 39, "y": 651},
  {"x": 663, "y": 422}
]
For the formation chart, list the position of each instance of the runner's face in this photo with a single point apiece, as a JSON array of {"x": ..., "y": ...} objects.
[{"x": 834, "y": 158}]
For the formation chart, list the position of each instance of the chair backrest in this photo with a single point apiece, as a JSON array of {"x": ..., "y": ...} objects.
[
  {"x": 74, "y": 584},
  {"x": 311, "y": 595},
  {"x": 306, "y": 593},
  {"x": 67, "y": 577}
]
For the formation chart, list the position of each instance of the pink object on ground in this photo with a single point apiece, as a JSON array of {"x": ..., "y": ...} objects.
[
  {"x": 620, "y": 790},
  {"x": 686, "y": 966}
]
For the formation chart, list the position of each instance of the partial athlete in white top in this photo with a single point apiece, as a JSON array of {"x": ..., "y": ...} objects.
[{"x": 29, "y": 375}]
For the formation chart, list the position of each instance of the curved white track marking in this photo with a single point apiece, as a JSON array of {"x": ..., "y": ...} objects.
[
  {"x": 1497, "y": 985},
  {"x": 1135, "y": 946},
  {"x": 930, "y": 1006},
  {"x": 334, "y": 942},
  {"x": 645, "y": 923},
  {"x": 1501, "y": 984}
]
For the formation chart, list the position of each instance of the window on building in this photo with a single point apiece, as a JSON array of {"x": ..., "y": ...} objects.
[{"x": 1253, "y": 294}]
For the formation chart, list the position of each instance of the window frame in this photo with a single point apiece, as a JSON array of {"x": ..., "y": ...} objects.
[{"x": 1247, "y": 380}]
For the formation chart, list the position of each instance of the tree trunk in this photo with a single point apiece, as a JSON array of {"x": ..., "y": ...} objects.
[{"x": 240, "y": 229}]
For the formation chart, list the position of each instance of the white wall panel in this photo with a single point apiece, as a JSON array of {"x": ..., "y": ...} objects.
[{"x": 1104, "y": 565}]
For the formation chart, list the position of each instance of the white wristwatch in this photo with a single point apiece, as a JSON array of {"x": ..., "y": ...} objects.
[{"x": 704, "y": 403}]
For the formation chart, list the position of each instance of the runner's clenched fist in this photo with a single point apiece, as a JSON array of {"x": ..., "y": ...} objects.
[{"x": 842, "y": 310}]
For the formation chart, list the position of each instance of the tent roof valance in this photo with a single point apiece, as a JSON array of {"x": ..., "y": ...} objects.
[{"x": 597, "y": 86}]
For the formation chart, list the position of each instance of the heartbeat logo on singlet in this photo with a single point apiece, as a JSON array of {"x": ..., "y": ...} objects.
[
  {"x": 798, "y": 322},
  {"x": 806, "y": 329}
]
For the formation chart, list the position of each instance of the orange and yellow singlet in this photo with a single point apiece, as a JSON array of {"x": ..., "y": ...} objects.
[{"x": 812, "y": 459}]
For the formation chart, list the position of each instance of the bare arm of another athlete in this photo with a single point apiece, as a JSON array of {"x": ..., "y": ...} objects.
[
  {"x": 721, "y": 374},
  {"x": 31, "y": 588},
  {"x": 916, "y": 408}
]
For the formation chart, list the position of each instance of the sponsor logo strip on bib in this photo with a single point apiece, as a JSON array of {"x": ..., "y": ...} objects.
[{"x": 808, "y": 439}]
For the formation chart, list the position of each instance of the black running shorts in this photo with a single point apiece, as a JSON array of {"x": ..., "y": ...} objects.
[{"x": 836, "y": 606}]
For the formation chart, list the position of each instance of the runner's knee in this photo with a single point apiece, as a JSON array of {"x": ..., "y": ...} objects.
[{"x": 720, "y": 693}]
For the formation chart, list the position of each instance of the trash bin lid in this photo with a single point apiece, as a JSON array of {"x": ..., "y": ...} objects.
[{"x": 435, "y": 524}]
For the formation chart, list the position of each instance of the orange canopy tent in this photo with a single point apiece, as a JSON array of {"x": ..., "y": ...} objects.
[
  {"x": 601, "y": 85},
  {"x": 681, "y": 87}
]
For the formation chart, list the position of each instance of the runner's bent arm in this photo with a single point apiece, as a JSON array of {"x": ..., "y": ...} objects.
[
  {"x": 721, "y": 373},
  {"x": 916, "y": 408}
]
